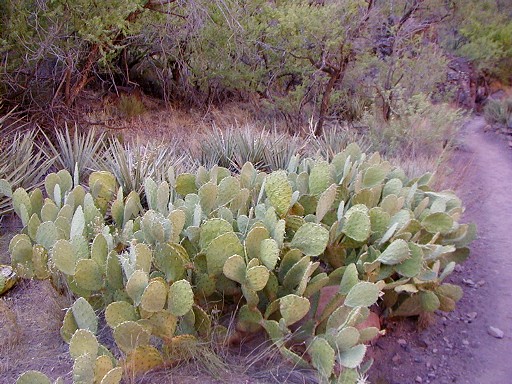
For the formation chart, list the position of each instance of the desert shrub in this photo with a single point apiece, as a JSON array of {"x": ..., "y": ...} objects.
[
  {"x": 130, "y": 106},
  {"x": 260, "y": 248},
  {"x": 334, "y": 140},
  {"x": 499, "y": 112},
  {"x": 416, "y": 128}
]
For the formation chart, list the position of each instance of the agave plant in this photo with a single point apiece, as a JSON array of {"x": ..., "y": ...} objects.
[
  {"x": 132, "y": 163},
  {"x": 235, "y": 146},
  {"x": 282, "y": 149},
  {"x": 22, "y": 164},
  {"x": 79, "y": 150},
  {"x": 218, "y": 149},
  {"x": 335, "y": 140}
]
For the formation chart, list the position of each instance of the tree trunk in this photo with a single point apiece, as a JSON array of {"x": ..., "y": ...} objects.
[
  {"x": 83, "y": 79},
  {"x": 336, "y": 76},
  {"x": 325, "y": 103}
]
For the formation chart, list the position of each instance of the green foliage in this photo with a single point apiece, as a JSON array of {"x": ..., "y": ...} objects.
[
  {"x": 268, "y": 243},
  {"x": 235, "y": 146},
  {"x": 485, "y": 30},
  {"x": 130, "y": 106}
]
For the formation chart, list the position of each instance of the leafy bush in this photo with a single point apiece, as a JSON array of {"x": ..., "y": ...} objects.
[
  {"x": 264, "y": 245},
  {"x": 499, "y": 112}
]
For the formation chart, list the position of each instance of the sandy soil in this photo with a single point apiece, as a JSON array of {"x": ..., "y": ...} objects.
[{"x": 457, "y": 348}]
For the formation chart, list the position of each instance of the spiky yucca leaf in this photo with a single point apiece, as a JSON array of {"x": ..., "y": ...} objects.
[
  {"x": 77, "y": 149},
  {"x": 132, "y": 163},
  {"x": 22, "y": 164},
  {"x": 335, "y": 140},
  {"x": 282, "y": 148},
  {"x": 233, "y": 147}
]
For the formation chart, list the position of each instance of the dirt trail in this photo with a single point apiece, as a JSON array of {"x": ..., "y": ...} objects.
[{"x": 459, "y": 348}]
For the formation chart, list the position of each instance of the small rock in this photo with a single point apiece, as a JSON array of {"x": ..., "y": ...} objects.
[
  {"x": 431, "y": 375},
  {"x": 459, "y": 268},
  {"x": 465, "y": 342},
  {"x": 402, "y": 342},
  {"x": 418, "y": 379},
  {"x": 496, "y": 332},
  {"x": 480, "y": 283},
  {"x": 396, "y": 359},
  {"x": 434, "y": 350},
  {"x": 472, "y": 316},
  {"x": 428, "y": 364},
  {"x": 468, "y": 282}
]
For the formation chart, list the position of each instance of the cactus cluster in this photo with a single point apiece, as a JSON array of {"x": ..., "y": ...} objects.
[{"x": 267, "y": 244}]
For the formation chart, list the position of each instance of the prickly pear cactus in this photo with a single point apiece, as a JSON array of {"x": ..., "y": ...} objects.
[{"x": 271, "y": 247}]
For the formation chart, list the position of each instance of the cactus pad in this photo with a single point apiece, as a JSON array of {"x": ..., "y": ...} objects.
[
  {"x": 269, "y": 253},
  {"x": 88, "y": 275},
  {"x": 84, "y": 315},
  {"x": 129, "y": 335},
  {"x": 211, "y": 229},
  {"x": 363, "y": 294},
  {"x": 357, "y": 225},
  {"x": 119, "y": 312},
  {"x": 77, "y": 223},
  {"x": 320, "y": 178},
  {"x": 185, "y": 184},
  {"x": 293, "y": 308},
  {"x": 395, "y": 253},
  {"x": 279, "y": 191},
  {"x": 142, "y": 359},
  {"x": 136, "y": 285},
  {"x": 154, "y": 296},
  {"x": 83, "y": 369},
  {"x": 47, "y": 234},
  {"x": 353, "y": 357},
  {"x": 311, "y": 239},
  {"x": 33, "y": 377},
  {"x": 181, "y": 298},
  {"x": 234, "y": 268},
  {"x": 256, "y": 277},
  {"x": 83, "y": 342},
  {"x": 254, "y": 239},
  {"x": 322, "y": 356},
  {"x": 113, "y": 376},
  {"x": 220, "y": 249},
  {"x": 438, "y": 222}
]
